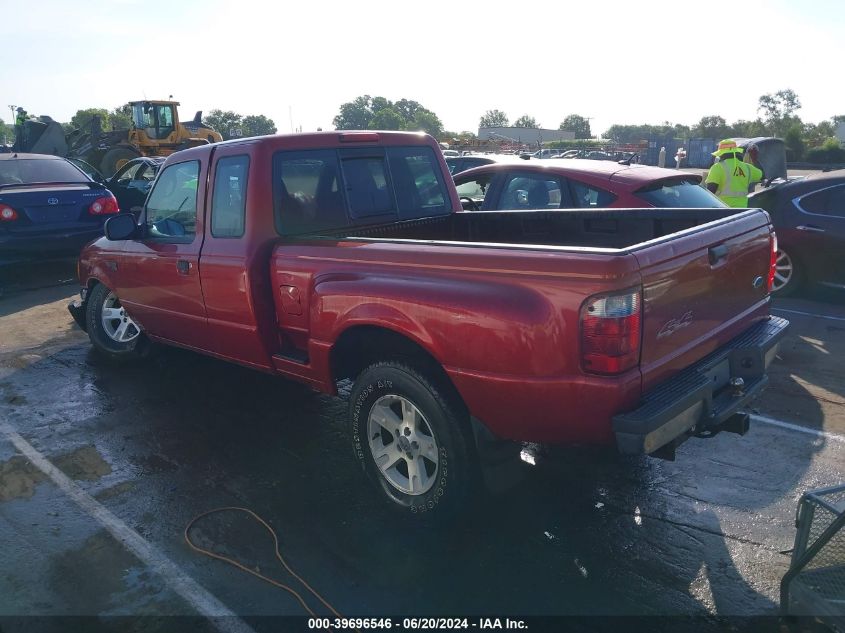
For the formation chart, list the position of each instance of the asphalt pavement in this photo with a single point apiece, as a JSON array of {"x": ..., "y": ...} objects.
[{"x": 103, "y": 466}]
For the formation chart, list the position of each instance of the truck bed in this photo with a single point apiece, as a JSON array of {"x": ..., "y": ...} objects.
[{"x": 602, "y": 229}]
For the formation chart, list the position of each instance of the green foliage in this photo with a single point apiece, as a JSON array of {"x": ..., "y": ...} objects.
[
  {"x": 387, "y": 119},
  {"x": 637, "y": 133},
  {"x": 82, "y": 119},
  {"x": 493, "y": 118},
  {"x": 257, "y": 125},
  {"x": 379, "y": 113},
  {"x": 778, "y": 111},
  {"x": 577, "y": 124},
  {"x": 120, "y": 118},
  {"x": 748, "y": 129},
  {"x": 831, "y": 143},
  {"x": 526, "y": 121},
  {"x": 712, "y": 127},
  {"x": 829, "y": 156},
  {"x": 7, "y": 133},
  {"x": 228, "y": 123},
  {"x": 794, "y": 143}
]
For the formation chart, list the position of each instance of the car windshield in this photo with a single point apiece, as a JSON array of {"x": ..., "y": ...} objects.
[
  {"x": 679, "y": 193},
  {"x": 26, "y": 171}
]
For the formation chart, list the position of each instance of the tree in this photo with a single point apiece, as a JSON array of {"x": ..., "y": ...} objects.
[
  {"x": 748, "y": 129},
  {"x": 121, "y": 118},
  {"x": 379, "y": 113},
  {"x": 493, "y": 118},
  {"x": 794, "y": 143},
  {"x": 82, "y": 119},
  {"x": 257, "y": 125},
  {"x": 387, "y": 119},
  {"x": 815, "y": 134},
  {"x": 838, "y": 118},
  {"x": 7, "y": 133},
  {"x": 778, "y": 110},
  {"x": 577, "y": 124},
  {"x": 526, "y": 121},
  {"x": 355, "y": 115},
  {"x": 228, "y": 123},
  {"x": 428, "y": 122},
  {"x": 712, "y": 126}
]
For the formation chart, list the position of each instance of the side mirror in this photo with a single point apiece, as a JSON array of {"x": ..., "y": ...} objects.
[{"x": 120, "y": 227}]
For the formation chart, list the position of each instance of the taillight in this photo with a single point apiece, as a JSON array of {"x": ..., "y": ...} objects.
[
  {"x": 7, "y": 214},
  {"x": 105, "y": 205},
  {"x": 773, "y": 261},
  {"x": 610, "y": 332}
]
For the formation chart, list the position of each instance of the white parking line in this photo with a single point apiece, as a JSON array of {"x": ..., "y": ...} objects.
[
  {"x": 223, "y": 619},
  {"x": 810, "y": 314},
  {"x": 798, "y": 428}
]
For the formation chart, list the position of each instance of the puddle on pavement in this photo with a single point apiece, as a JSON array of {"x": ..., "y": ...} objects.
[
  {"x": 83, "y": 464},
  {"x": 18, "y": 478},
  {"x": 114, "y": 491}
]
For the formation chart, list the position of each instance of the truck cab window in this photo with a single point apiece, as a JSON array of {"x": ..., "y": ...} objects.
[
  {"x": 366, "y": 186},
  {"x": 172, "y": 205},
  {"x": 307, "y": 192},
  {"x": 229, "y": 202}
]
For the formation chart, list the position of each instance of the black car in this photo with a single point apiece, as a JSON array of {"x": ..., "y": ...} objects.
[
  {"x": 131, "y": 183},
  {"x": 809, "y": 219},
  {"x": 48, "y": 206}
]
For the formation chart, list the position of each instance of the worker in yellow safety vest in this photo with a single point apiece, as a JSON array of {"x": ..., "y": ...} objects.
[{"x": 730, "y": 177}]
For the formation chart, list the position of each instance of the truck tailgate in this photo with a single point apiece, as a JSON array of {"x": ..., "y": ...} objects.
[{"x": 701, "y": 287}]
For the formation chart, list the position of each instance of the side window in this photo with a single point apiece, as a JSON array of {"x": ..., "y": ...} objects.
[
  {"x": 365, "y": 179},
  {"x": 475, "y": 189},
  {"x": 417, "y": 181},
  {"x": 826, "y": 202},
  {"x": 229, "y": 201},
  {"x": 587, "y": 196},
  {"x": 454, "y": 165},
  {"x": 172, "y": 205},
  {"x": 530, "y": 191},
  {"x": 129, "y": 174},
  {"x": 307, "y": 192}
]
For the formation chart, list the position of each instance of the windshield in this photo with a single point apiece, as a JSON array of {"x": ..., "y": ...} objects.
[
  {"x": 679, "y": 193},
  {"x": 33, "y": 170}
]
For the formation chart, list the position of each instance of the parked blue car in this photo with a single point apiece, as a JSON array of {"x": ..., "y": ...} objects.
[{"x": 48, "y": 206}]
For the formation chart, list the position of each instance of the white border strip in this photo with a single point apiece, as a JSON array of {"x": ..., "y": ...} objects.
[
  {"x": 809, "y": 314},
  {"x": 798, "y": 428},
  {"x": 223, "y": 619}
]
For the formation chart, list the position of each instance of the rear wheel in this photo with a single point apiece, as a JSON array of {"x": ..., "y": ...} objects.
[
  {"x": 116, "y": 158},
  {"x": 788, "y": 275},
  {"x": 111, "y": 330},
  {"x": 411, "y": 440}
]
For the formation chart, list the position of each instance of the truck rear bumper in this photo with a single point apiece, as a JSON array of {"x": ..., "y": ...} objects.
[{"x": 705, "y": 396}]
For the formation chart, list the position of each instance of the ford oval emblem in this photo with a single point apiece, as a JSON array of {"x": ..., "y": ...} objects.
[
  {"x": 758, "y": 282},
  {"x": 52, "y": 201}
]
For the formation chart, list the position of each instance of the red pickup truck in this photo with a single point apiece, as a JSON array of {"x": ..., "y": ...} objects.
[{"x": 345, "y": 256}]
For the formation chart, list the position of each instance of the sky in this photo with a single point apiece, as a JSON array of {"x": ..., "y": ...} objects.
[{"x": 626, "y": 62}]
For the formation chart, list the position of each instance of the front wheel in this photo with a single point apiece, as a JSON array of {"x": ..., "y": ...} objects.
[
  {"x": 411, "y": 439},
  {"x": 111, "y": 330}
]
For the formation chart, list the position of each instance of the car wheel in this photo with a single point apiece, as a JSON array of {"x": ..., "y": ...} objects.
[
  {"x": 788, "y": 275},
  {"x": 111, "y": 330},
  {"x": 412, "y": 440}
]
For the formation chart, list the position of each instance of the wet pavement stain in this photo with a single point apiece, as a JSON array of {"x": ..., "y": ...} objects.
[
  {"x": 84, "y": 464},
  {"x": 115, "y": 491},
  {"x": 18, "y": 479}
]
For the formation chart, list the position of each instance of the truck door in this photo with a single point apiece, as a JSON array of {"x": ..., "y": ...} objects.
[{"x": 160, "y": 279}]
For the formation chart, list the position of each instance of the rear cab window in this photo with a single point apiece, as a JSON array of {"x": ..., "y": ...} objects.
[
  {"x": 320, "y": 190},
  {"x": 679, "y": 194}
]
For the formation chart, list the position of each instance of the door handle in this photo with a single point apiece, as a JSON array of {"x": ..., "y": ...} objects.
[
  {"x": 183, "y": 266},
  {"x": 717, "y": 253},
  {"x": 810, "y": 228}
]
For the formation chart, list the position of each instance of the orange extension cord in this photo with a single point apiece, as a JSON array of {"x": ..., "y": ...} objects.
[{"x": 242, "y": 567}]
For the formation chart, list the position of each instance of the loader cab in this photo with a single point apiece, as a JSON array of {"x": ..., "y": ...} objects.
[{"x": 157, "y": 120}]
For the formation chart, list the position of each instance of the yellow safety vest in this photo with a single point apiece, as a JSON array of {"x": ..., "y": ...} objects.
[{"x": 738, "y": 177}]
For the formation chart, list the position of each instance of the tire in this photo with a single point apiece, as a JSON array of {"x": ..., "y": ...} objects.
[
  {"x": 789, "y": 275},
  {"x": 118, "y": 338},
  {"x": 420, "y": 457},
  {"x": 115, "y": 158}
]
